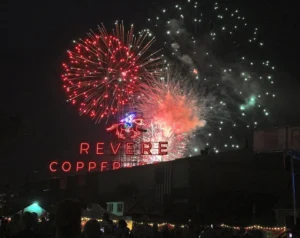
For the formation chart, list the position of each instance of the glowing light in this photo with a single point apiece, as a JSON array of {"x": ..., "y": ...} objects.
[
  {"x": 129, "y": 127},
  {"x": 35, "y": 208},
  {"x": 128, "y": 120}
]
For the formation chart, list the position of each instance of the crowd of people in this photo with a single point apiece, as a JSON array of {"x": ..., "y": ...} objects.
[{"x": 66, "y": 223}]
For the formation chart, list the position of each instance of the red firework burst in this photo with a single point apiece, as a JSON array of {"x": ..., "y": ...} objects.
[{"x": 105, "y": 71}]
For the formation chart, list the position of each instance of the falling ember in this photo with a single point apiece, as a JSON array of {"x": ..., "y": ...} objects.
[{"x": 104, "y": 70}]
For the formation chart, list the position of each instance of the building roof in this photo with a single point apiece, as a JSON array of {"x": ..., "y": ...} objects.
[{"x": 95, "y": 211}]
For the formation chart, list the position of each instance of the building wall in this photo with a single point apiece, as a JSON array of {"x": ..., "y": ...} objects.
[
  {"x": 142, "y": 177},
  {"x": 229, "y": 187},
  {"x": 239, "y": 172},
  {"x": 213, "y": 186}
]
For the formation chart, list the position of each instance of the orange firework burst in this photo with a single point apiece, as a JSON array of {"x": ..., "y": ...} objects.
[{"x": 174, "y": 111}]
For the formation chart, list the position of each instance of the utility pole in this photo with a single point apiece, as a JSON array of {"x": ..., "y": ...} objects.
[
  {"x": 293, "y": 155},
  {"x": 294, "y": 190},
  {"x": 292, "y": 175}
]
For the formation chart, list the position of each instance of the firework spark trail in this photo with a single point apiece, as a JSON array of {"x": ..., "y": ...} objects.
[
  {"x": 174, "y": 111},
  {"x": 225, "y": 54},
  {"x": 177, "y": 143},
  {"x": 104, "y": 71}
]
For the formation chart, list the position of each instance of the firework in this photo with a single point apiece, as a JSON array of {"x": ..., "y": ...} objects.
[
  {"x": 174, "y": 110},
  {"x": 104, "y": 71},
  {"x": 224, "y": 53}
]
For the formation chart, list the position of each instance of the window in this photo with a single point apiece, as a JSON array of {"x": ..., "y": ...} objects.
[
  {"x": 120, "y": 207},
  {"x": 110, "y": 207}
]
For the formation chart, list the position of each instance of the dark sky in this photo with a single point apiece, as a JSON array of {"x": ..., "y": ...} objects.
[{"x": 36, "y": 35}]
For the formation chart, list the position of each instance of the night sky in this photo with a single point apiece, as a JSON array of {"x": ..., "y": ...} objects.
[{"x": 36, "y": 35}]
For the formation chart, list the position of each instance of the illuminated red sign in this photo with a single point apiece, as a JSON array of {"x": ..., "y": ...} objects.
[
  {"x": 129, "y": 127},
  {"x": 68, "y": 166},
  {"x": 120, "y": 129},
  {"x": 114, "y": 148},
  {"x": 130, "y": 148},
  {"x": 90, "y": 166}
]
